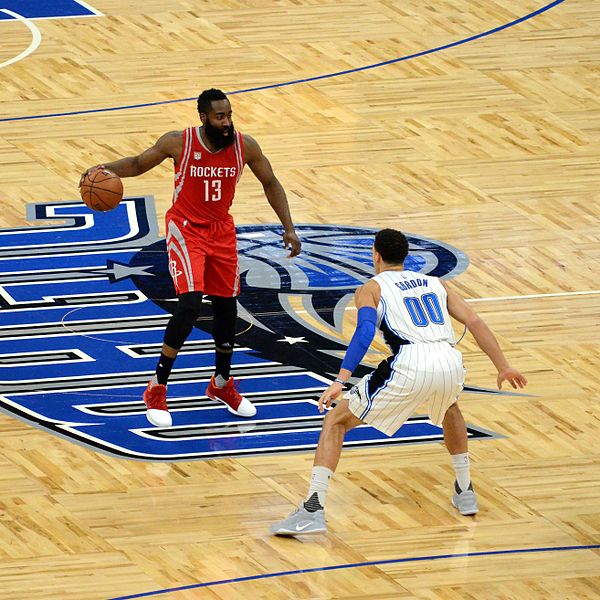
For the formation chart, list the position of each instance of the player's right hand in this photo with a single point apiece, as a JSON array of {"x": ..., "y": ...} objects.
[
  {"x": 292, "y": 242},
  {"x": 329, "y": 395},
  {"x": 87, "y": 172},
  {"x": 516, "y": 379}
]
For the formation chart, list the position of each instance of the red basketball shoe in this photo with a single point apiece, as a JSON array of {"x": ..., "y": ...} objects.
[
  {"x": 155, "y": 398},
  {"x": 233, "y": 400}
]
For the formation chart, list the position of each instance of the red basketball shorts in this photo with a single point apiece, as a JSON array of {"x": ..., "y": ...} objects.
[{"x": 203, "y": 257}]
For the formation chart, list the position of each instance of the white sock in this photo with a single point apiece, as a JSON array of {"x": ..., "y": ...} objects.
[
  {"x": 461, "y": 466},
  {"x": 319, "y": 483},
  {"x": 220, "y": 381},
  {"x": 154, "y": 380}
]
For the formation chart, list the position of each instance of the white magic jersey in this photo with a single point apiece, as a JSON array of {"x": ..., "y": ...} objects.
[
  {"x": 424, "y": 367},
  {"x": 413, "y": 308}
]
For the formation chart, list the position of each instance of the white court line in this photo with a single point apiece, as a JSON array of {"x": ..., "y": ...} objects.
[
  {"x": 556, "y": 295},
  {"x": 90, "y": 8},
  {"x": 36, "y": 37},
  {"x": 526, "y": 297}
]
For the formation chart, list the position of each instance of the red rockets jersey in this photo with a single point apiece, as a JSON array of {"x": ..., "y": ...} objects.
[{"x": 205, "y": 181}]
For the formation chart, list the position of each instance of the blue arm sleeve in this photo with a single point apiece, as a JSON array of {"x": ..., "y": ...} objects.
[{"x": 362, "y": 338}]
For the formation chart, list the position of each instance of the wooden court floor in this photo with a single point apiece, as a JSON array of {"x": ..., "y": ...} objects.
[{"x": 491, "y": 146}]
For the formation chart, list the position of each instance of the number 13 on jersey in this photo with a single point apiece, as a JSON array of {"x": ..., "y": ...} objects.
[{"x": 212, "y": 190}]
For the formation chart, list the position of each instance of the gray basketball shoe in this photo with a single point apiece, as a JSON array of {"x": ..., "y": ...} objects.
[
  {"x": 466, "y": 501},
  {"x": 301, "y": 522}
]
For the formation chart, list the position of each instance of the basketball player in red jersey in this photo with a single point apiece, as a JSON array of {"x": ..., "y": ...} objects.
[{"x": 201, "y": 240}]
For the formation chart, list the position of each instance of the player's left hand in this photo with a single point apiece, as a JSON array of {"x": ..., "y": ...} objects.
[
  {"x": 329, "y": 395},
  {"x": 516, "y": 379},
  {"x": 292, "y": 241}
]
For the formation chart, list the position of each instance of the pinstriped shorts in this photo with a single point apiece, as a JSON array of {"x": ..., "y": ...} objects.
[{"x": 428, "y": 372}]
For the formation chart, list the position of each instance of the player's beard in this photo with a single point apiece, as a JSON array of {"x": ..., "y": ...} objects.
[{"x": 215, "y": 135}]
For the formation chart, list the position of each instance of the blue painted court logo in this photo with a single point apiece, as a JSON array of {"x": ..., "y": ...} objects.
[
  {"x": 84, "y": 304},
  {"x": 42, "y": 9}
]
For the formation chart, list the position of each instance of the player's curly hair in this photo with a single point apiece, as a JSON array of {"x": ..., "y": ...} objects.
[
  {"x": 392, "y": 245},
  {"x": 207, "y": 97}
]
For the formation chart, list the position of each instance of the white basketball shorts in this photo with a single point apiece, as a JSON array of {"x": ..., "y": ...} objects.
[{"x": 428, "y": 372}]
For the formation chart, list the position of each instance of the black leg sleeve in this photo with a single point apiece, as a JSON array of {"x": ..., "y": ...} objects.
[
  {"x": 224, "y": 319},
  {"x": 189, "y": 307}
]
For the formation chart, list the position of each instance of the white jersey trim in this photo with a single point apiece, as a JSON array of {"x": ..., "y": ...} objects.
[
  {"x": 184, "y": 164},
  {"x": 238, "y": 154},
  {"x": 176, "y": 245}
]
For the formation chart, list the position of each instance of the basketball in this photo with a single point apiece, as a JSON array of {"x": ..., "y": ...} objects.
[{"x": 101, "y": 190}]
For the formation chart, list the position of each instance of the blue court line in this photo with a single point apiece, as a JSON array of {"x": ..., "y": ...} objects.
[
  {"x": 372, "y": 563},
  {"x": 472, "y": 38}
]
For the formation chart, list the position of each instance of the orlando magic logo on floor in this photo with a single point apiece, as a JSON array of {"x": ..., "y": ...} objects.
[{"x": 84, "y": 305}]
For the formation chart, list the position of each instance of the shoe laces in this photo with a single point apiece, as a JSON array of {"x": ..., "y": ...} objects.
[{"x": 233, "y": 387}]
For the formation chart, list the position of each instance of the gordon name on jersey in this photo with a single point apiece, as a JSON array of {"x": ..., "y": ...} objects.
[{"x": 410, "y": 284}]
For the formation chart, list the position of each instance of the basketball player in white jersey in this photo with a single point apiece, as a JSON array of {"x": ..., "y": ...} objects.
[{"x": 413, "y": 312}]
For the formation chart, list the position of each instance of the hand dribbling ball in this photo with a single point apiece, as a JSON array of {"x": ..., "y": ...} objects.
[{"x": 101, "y": 190}]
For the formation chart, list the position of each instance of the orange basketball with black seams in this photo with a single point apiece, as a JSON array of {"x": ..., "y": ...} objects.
[{"x": 101, "y": 190}]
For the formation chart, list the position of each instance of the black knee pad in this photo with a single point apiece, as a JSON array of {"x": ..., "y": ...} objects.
[
  {"x": 190, "y": 303},
  {"x": 189, "y": 307},
  {"x": 224, "y": 318}
]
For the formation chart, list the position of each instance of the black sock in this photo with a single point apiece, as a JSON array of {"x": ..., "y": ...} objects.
[
  {"x": 163, "y": 369},
  {"x": 223, "y": 364},
  {"x": 313, "y": 504}
]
